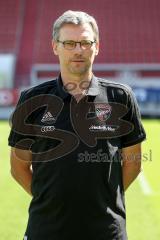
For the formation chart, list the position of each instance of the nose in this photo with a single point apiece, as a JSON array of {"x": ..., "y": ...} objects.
[{"x": 78, "y": 47}]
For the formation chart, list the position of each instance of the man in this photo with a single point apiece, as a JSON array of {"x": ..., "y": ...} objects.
[{"x": 76, "y": 143}]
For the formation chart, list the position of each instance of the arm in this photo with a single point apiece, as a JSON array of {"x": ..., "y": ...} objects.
[
  {"x": 131, "y": 164},
  {"x": 21, "y": 167}
]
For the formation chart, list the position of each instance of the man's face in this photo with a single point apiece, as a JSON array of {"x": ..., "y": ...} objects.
[{"x": 77, "y": 61}]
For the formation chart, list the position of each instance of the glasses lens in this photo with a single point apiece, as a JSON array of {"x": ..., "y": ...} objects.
[
  {"x": 86, "y": 44},
  {"x": 69, "y": 45}
]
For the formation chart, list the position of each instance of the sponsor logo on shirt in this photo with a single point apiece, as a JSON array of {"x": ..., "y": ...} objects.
[
  {"x": 103, "y": 128},
  {"x": 103, "y": 112},
  {"x": 47, "y": 129}
]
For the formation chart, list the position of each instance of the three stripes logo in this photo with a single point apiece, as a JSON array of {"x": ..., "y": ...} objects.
[{"x": 47, "y": 117}]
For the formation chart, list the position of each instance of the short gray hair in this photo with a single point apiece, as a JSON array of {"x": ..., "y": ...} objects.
[{"x": 77, "y": 18}]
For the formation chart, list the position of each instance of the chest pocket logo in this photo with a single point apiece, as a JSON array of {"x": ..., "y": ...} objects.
[{"x": 103, "y": 111}]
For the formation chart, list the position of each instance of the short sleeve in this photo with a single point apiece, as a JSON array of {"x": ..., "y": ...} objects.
[
  {"x": 133, "y": 116},
  {"x": 19, "y": 139}
]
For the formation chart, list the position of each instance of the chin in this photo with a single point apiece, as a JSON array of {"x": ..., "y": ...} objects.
[{"x": 81, "y": 71}]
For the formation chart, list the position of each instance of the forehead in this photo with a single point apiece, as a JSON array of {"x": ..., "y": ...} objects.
[{"x": 76, "y": 32}]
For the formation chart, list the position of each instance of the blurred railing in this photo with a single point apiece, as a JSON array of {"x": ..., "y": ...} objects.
[{"x": 143, "y": 78}]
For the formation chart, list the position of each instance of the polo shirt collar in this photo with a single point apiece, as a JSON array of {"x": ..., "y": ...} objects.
[
  {"x": 93, "y": 89},
  {"x": 61, "y": 90}
]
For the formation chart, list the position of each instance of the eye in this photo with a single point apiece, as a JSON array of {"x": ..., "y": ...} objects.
[
  {"x": 86, "y": 43},
  {"x": 69, "y": 44}
]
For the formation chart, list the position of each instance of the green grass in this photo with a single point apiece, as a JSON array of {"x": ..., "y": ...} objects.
[
  {"x": 13, "y": 200},
  {"x": 143, "y": 211}
]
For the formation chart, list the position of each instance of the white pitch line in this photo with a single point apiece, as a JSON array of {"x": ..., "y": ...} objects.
[{"x": 144, "y": 184}]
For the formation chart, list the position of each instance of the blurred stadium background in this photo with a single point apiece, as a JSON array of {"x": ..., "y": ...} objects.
[
  {"x": 129, "y": 46},
  {"x": 129, "y": 53}
]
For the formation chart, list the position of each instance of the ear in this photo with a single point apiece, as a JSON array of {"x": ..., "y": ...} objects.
[
  {"x": 54, "y": 47},
  {"x": 97, "y": 48}
]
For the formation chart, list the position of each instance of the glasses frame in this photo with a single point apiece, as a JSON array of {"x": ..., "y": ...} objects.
[{"x": 75, "y": 44}]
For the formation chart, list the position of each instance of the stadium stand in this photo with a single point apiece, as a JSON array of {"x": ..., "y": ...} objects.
[
  {"x": 11, "y": 20},
  {"x": 127, "y": 32}
]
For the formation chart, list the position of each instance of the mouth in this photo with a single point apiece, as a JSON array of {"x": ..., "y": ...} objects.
[{"x": 78, "y": 61}]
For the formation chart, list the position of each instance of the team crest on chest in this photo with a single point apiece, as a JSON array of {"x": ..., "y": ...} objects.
[{"x": 103, "y": 111}]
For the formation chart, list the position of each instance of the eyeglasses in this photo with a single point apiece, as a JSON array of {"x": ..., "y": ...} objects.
[{"x": 70, "y": 45}]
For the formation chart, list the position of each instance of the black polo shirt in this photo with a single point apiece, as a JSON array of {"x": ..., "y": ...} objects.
[{"x": 77, "y": 175}]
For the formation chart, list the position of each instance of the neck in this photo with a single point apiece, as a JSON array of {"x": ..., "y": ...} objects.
[{"x": 77, "y": 83}]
